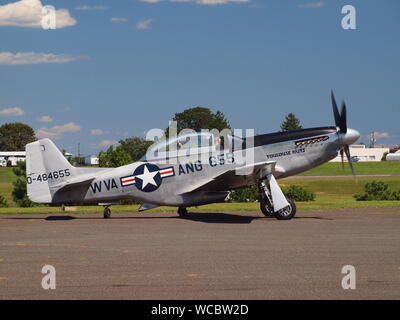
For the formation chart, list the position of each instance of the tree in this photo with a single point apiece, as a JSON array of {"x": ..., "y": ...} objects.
[
  {"x": 3, "y": 202},
  {"x": 14, "y": 136},
  {"x": 201, "y": 118},
  {"x": 19, "y": 193},
  {"x": 113, "y": 158},
  {"x": 136, "y": 147},
  {"x": 290, "y": 123}
]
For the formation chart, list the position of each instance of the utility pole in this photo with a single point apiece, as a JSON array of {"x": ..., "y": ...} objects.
[{"x": 372, "y": 140}]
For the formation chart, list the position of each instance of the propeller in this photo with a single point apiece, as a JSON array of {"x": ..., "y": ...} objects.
[{"x": 341, "y": 123}]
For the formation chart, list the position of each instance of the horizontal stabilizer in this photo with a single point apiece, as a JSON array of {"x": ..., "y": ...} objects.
[{"x": 74, "y": 182}]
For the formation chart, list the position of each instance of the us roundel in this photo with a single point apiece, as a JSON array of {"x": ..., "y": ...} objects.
[{"x": 147, "y": 177}]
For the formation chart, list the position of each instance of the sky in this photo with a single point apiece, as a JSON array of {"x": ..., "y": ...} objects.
[{"x": 115, "y": 69}]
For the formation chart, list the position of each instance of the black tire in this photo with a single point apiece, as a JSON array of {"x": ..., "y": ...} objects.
[
  {"x": 183, "y": 213},
  {"x": 107, "y": 213},
  {"x": 265, "y": 208},
  {"x": 288, "y": 212}
]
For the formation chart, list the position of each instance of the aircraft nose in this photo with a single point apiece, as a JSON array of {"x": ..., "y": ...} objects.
[{"x": 350, "y": 136}]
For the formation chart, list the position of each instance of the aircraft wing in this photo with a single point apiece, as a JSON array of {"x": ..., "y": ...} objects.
[{"x": 228, "y": 178}]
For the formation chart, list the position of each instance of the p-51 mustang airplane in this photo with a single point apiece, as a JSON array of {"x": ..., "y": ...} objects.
[{"x": 187, "y": 181}]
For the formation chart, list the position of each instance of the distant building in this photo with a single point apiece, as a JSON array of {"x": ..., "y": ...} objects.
[
  {"x": 393, "y": 156},
  {"x": 68, "y": 155},
  {"x": 92, "y": 160},
  {"x": 360, "y": 152},
  {"x": 10, "y": 158}
]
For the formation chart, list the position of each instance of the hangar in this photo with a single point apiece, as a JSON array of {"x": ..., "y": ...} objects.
[
  {"x": 360, "y": 152},
  {"x": 10, "y": 158}
]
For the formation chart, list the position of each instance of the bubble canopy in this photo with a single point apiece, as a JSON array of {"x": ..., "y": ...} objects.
[{"x": 186, "y": 145}]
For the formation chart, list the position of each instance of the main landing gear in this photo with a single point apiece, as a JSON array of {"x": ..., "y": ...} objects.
[
  {"x": 183, "y": 213},
  {"x": 267, "y": 203},
  {"x": 107, "y": 212}
]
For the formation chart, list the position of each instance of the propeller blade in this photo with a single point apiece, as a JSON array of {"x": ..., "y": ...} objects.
[
  {"x": 342, "y": 156},
  {"x": 347, "y": 151},
  {"x": 343, "y": 118},
  {"x": 335, "y": 110}
]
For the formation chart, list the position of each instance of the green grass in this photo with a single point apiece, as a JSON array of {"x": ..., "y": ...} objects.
[
  {"x": 7, "y": 175},
  {"x": 369, "y": 168},
  {"x": 5, "y": 191},
  {"x": 339, "y": 187}
]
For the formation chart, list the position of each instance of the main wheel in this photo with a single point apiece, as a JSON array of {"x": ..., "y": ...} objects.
[
  {"x": 107, "y": 213},
  {"x": 288, "y": 212},
  {"x": 183, "y": 213},
  {"x": 266, "y": 208}
]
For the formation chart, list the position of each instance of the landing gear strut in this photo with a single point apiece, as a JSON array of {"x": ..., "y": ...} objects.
[
  {"x": 267, "y": 206},
  {"x": 183, "y": 213},
  {"x": 265, "y": 200},
  {"x": 107, "y": 212}
]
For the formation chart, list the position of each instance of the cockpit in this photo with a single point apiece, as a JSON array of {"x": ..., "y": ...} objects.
[{"x": 194, "y": 143}]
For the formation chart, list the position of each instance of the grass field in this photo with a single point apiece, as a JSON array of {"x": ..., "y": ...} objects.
[
  {"x": 361, "y": 168},
  {"x": 331, "y": 192},
  {"x": 339, "y": 186},
  {"x": 6, "y": 175},
  {"x": 5, "y": 191}
]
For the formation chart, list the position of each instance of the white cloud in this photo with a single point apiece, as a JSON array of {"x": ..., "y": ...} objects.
[
  {"x": 144, "y": 24},
  {"x": 312, "y": 5},
  {"x": 9, "y": 58},
  {"x": 16, "y": 111},
  {"x": 380, "y": 135},
  {"x": 96, "y": 132},
  {"x": 107, "y": 143},
  {"x": 118, "y": 20},
  {"x": 57, "y": 131},
  {"x": 45, "y": 119},
  {"x": 28, "y": 13},
  {"x": 91, "y": 8}
]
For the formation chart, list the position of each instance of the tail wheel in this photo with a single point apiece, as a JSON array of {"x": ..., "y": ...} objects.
[
  {"x": 288, "y": 212},
  {"x": 266, "y": 208},
  {"x": 107, "y": 213},
  {"x": 183, "y": 213}
]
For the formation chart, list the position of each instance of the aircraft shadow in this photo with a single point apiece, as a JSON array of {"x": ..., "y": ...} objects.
[
  {"x": 59, "y": 218},
  {"x": 219, "y": 217},
  {"x": 209, "y": 217},
  {"x": 197, "y": 217}
]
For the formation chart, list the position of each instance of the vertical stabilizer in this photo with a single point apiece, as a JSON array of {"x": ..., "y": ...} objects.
[{"x": 45, "y": 166}]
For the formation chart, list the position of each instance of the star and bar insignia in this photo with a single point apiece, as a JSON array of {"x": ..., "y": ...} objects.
[{"x": 147, "y": 177}]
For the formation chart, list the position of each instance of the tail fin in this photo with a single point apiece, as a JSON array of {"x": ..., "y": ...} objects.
[{"x": 45, "y": 166}]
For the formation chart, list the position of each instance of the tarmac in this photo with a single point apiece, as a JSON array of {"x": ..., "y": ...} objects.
[{"x": 205, "y": 256}]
